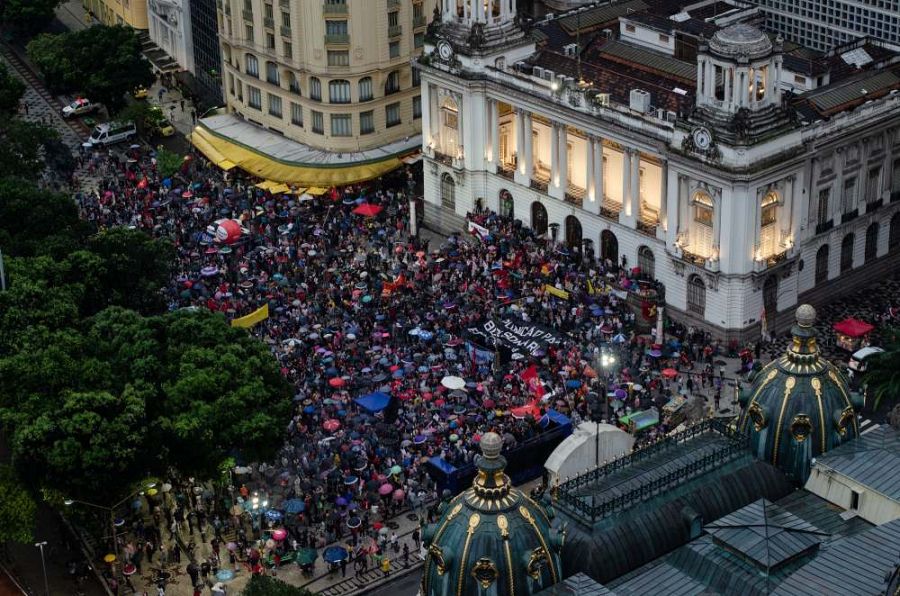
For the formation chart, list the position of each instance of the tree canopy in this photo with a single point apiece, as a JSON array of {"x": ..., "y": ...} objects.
[
  {"x": 102, "y": 62},
  {"x": 27, "y": 16},
  {"x": 35, "y": 222},
  {"x": 11, "y": 91},
  {"x": 882, "y": 376},
  {"x": 123, "y": 397},
  {"x": 17, "y": 508},
  {"x": 23, "y": 147}
]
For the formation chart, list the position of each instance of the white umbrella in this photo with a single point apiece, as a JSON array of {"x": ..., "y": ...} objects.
[{"x": 452, "y": 382}]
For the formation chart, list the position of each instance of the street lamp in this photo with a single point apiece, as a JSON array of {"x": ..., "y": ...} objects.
[
  {"x": 41, "y": 546},
  {"x": 111, "y": 511}
]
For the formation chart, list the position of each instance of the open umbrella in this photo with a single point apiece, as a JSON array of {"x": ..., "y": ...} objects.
[
  {"x": 293, "y": 506},
  {"x": 306, "y": 556},
  {"x": 368, "y": 210},
  {"x": 399, "y": 494},
  {"x": 385, "y": 489},
  {"x": 331, "y": 425},
  {"x": 335, "y": 554},
  {"x": 669, "y": 373},
  {"x": 396, "y": 470},
  {"x": 452, "y": 382},
  {"x": 336, "y": 382},
  {"x": 279, "y": 534}
]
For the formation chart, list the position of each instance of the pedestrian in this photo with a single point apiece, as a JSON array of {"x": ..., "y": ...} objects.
[
  {"x": 405, "y": 554},
  {"x": 194, "y": 115},
  {"x": 416, "y": 538},
  {"x": 344, "y": 568},
  {"x": 717, "y": 398},
  {"x": 182, "y": 106},
  {"x": 386, "y": 566}
]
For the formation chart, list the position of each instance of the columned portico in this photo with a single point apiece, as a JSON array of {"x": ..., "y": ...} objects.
[{"x": 628, "y": 215}]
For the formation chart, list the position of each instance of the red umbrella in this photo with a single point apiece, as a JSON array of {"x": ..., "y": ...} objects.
[
  {"x": 336, "y": 382},
  {"x": 385, "y": 489},
  {"x": 669, "y": 373},
  {"x": 331, "y": 425},
  {"x": 399, "y": 494},
  {"x": 368, "y": 210}
]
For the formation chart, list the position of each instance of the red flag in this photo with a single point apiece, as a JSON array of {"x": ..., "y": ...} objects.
[{"x": 530, "y": 376}]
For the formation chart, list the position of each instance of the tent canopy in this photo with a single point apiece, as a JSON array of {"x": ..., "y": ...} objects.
[
  {"x": 853, "y": 327},
  {"x": 374, "y": 402}
]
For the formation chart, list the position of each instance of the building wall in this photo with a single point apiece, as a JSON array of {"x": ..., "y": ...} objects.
[
  {"x": 207, "y": 66},
  {"x": 170, "y": 29},
  {"x": 372, "y": 29},
  {"x": 119, "y": 12},
  {"x": 821, "y": 25},
  {"x": 838, "y": 489}
]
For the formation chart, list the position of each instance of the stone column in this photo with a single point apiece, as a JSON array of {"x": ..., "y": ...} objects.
[
  {"x": 661, "y": 230},
  {"x": 562, "y": 169},
  {"x": 701, "y": 80},
  {"x": 589, "y": 177},
  {"x": 554, "y": 154},
  {"x": 520, "y": 141},
  {"x": 887, "y": 168},
  {"x": 626, "y": 215},
  {"x": 495, "y": 132},
  {"x": 426, "y": 117},
  {"x": 599, "y": 184},
  {"x": 529, "y": 148},
  {"x": 636, "y": 183},
  {"x": 728, "y": 74},
  {"x": 786, "y": 217}
]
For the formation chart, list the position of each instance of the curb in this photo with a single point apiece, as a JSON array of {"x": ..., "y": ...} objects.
[{"x": 403, "y": 573}]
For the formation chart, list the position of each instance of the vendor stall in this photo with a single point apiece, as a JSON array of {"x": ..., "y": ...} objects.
[
  {"x": 852, "y": 334},
  {"x": 674, "y": 410},
  {"x": 637, "y": 422}
]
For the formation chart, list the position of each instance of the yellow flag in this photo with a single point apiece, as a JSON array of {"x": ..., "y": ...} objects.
[
  {"x": 556, "y": 291},
  {"x": 247, "y": 321}
]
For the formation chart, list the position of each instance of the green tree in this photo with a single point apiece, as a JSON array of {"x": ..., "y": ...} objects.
[
  {"x": 264, "y": 585},
  {"x": 23, "y": 148},
  {"x": 17, "y": 508},
  {"x": 11, "y": 92},
  {"x": 168, "y": 162},
  {"x": 143, "y": 115},
  {"x": 103, "y": 62},
  {"x": 27, "y": 16},
  {"x": 882, "y": 376},
  {"x": 35, "y": 222}
]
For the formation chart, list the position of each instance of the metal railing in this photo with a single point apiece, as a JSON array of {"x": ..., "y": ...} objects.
[
  {"x": 337, "y": 38},
  {"x": 419, "y": 21},
  {"x": 647, "y": 226},
  {"x": 594, "y": 507},
  {"x": 269, "y": 22},
  {"x": 285, "y": 31},
  {"x": 334, "y": 9},
  {"x": 507, "y": 171},
  {"x": 395, "y": 30},
  {"x": 538, "y": 184},
  {"x": 610, "y": 209},
  {"x": 248, "y": 14}
]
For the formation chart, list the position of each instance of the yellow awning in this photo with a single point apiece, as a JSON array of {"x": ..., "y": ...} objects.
[
  {"x": 318, "y": 177},
  {"x": 226, "y": 165},
  {"x": 298, "y": 191},
  {"x": 266, "y": 184},
  {"x": 279, "y": 189}
]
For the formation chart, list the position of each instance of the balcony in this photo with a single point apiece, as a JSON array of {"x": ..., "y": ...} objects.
[
  {"x": 419, "y": 22},
  {"x": 285, "y": 31},
  {"x": 444, "y": 158},
  {"x": 575, "y": 196},
  {"x": 540, "y": 179},
  {"x": 393, "y": 4},
  {"x": 610, "y": 209},
  {"x": 761, "y": 264},
  {"x": 228, "y": 9},
  {"x": 507, "y": 170},
  {"x": 873, "y": 205},
  {"x": 337, "y": 38},
  {"x": 284, "y": 3},
  {"x": 823, "y": 227},
  {"x": 334, "y": 9},
  {"x": 248, "y": 14},
  {"x": 395, "y": 30},
  {"x": 269, "y": 22},
  {"x": 849, "y": 216},
  {"x": 647, "y": 226}
]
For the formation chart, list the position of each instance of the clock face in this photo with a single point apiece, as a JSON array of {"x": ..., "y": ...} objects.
[
  {"x": 702, "y": 138},
  {"x": 445, "y": 50}
]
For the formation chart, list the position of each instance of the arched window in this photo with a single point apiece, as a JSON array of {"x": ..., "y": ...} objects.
[
  {"x": 609, "y": 247},
  {"x": 449, "y": 136},
  {"x": 871, "y": 242},
  {"x": 538, "y": 218},
  {"x": 703, "y": 208},
  {"x": 272, "y": 74},
  {"x": 768, "y": 231},
  {"x": 700, "y": 241},
  {"x": 365, "y": 89},
  {"x": 573, "y": 232},
  {"x": 251, "y": 65},
  {"x": 293, "y": 83},
  {"x": 339, "y": 91},
  {"x": 448, "y": 192},
  {"x": 822, "y": 256},
  {"x": 847, "y": 252},
  {"x": 315, "y": 89},
  {"x": 392, "y": 83},
  {"x": 647, "y": 262},
  {"x": 696, "y": 295},
  {"x": 894, "y": 232},
  {"x": 506, "y": 204}
]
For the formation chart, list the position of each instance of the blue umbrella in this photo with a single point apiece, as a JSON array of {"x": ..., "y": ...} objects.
[
  {"x": 398, "y": 374},
  {"x": 274, "y": 515},
  {"x": 425, "y": 335},
  {"x": 294, "y": 506},
  {"x": 573, "y": 384},
  {"x": 309, "y": 410},
  {"x": 335, "y": 554}
]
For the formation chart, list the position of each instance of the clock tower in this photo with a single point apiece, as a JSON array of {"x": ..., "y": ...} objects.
[{"x": 478, "y": 28}]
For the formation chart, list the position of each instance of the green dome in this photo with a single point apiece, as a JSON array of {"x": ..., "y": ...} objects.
[
  {"x": 799, "y": 405},
  {"x": 491, "y": 539}
]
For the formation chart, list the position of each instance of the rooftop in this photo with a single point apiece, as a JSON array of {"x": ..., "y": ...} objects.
[{"x": 872, "y": 460}]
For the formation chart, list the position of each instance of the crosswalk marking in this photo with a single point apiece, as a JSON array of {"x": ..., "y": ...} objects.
[{"x": 867, "y": 425}]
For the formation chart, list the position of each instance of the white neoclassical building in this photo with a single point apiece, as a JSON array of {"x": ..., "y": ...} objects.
[
  {"x": 740, "y": 197},
  {"x": 170, "y": 29}
]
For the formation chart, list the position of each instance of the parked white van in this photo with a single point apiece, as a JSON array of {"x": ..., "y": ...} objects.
[{"x": 111, "y": 132}]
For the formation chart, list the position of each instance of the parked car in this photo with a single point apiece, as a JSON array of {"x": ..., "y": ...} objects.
[
  {"x": 165, "y": 128},
  {"x": 110, "y": 133},
  {"x": 79, "y": 107},
  {"x": 140, "y": 93}
]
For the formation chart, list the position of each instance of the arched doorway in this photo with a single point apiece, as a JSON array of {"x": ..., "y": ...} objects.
[
  {"x": 506, "y": 204},
  {"x": 871, "y": 242},
  {"x": 647, "y": 262},
  {"x": 696, "y": 295},
  {"x": 538, "y": 218},
  {"x": 847, "y": 252},
  {"x": 448, "y": 192},
  {"x": 822, "y": 256},
  {"x": 609, "y": 247},
  {"x": 770, "y": 300},
  {"x": 894, "y": 232},
  {"x": 573, "y": 232}
]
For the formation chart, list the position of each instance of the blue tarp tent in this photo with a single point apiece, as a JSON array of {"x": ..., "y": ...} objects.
[
  {"x": 561, "y": 419},
  {"x": 374, "y": 402},
  {"x": 445, "y": 474}
]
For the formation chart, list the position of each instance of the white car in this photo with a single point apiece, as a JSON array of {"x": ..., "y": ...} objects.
[{"x": 79, "y": 107}]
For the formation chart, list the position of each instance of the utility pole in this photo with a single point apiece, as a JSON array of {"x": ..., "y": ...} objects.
[
  {"x": 41, "y": 546},
  {"x": 2, "y": 274}
]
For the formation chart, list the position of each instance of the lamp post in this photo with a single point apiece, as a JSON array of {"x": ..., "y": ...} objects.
[
  {"x": 41, "y": 546},
  {"x": 111, "y": 511}
]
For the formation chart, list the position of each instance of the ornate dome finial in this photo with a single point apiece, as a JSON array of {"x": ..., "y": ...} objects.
[
  {"x": 491, "y": 445},
  {"x": 806, "y": 315}
]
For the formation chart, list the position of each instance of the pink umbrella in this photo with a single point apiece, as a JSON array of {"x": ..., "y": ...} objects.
[
  {"x": 399, "y": 494},
  {"x": 331, "y": 425},
  {"x": 336, "y": 382},
  {"x": 279, "y": 534},
  {"x": 385, "y": 489}
]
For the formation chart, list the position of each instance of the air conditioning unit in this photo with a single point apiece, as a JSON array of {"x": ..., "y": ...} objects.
[
  {"x": 548, "y": 75},
  {"x": 602, "y": 99},
  {"x": 570, "y": 49},
  {"x": 639, "y": 101},
  {"x": 538, "y": 71}
]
